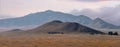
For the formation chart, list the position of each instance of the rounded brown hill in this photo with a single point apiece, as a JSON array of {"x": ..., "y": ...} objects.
[{"x": 65, "y": 27}]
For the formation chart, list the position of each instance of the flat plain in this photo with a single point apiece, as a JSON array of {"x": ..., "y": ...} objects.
[{"x": 58, "y": 40}]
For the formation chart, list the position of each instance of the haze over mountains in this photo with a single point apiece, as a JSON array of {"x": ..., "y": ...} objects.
[
  {"x": 109, "y": 14},
  {"x": 41, "y": 18}
]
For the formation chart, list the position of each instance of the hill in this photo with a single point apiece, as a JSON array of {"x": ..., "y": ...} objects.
[{"x": 65, "y": 27}]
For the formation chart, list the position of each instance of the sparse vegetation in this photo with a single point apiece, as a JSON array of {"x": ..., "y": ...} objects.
[
  {"x": 110, "y": 33},
  {"x": 55, "y": 33},
  {"x": 113, "y": 33}
]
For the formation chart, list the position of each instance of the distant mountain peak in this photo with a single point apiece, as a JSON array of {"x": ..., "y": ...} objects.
[
  {"x": 99, "y": 19},
  {"x": 49, "y": 11}
]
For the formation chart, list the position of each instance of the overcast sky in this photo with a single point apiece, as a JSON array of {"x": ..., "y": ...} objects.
[{"x": 19, "y": 8}]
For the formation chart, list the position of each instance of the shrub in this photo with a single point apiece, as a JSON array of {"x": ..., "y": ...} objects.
[
  {"x": 110, "y": 33},
  {"x": 115, "y": 33}
]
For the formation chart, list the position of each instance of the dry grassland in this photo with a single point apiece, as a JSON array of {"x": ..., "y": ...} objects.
[{"x": 59, "y": 40}]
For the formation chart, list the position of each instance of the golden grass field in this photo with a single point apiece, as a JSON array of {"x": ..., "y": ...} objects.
[{"x": 59, "y": 40}]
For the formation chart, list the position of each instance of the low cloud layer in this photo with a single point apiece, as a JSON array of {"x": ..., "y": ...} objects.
[{"x": 109, "y": 14}]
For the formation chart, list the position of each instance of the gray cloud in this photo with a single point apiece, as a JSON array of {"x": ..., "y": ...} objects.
[
  {"x": 109, "y": 14},
  {"x": 94, "y": 0},
  {"x": 90, "y": 0}
]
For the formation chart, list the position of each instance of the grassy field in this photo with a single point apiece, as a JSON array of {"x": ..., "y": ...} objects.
[{"x": 59, "y": 40}]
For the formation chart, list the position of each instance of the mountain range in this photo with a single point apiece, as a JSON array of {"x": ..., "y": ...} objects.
[{"x": 40, "y": 18}]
